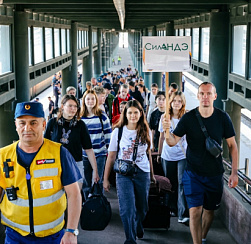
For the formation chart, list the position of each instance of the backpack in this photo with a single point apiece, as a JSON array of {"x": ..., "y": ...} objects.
[
  {"x": 96, "y": 210},
  {"x": 149, "y": 94}
]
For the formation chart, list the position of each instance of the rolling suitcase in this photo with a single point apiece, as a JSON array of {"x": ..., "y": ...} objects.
[{"x": 158, "y": 215}]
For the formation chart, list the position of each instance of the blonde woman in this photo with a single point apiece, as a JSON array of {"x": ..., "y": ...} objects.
[
  {"x": 173, "y": 159},
  {"x": 99, "y": 128}
]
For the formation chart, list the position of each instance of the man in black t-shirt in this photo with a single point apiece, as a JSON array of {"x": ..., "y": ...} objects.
[{"x": 203, "y": 179}]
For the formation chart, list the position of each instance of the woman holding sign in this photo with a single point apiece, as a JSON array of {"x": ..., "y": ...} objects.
[{"x": 173, "y": 159}]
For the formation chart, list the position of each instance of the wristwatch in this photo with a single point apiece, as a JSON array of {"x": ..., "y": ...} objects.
[{"x": 75, "y": 232}]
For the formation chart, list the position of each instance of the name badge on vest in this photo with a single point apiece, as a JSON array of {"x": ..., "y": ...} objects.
[
  {"x": 46, "y": 184},
  {"x": 45, "y": 161}
]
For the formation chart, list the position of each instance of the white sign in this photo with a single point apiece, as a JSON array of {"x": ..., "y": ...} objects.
[{"x": 166, "y": 53}]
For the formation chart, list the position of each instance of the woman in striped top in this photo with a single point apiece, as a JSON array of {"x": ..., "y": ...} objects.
[{"x": 99, "y": 128}]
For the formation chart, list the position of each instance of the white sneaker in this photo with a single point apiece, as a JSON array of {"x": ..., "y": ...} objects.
[{"x": 184, "y": 220}]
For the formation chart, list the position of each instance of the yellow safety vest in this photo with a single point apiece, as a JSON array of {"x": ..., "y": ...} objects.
[{"x": 41, "y": 201}]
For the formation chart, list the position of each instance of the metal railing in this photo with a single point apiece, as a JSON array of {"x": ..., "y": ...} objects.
[{"x": 243, "y": 190}]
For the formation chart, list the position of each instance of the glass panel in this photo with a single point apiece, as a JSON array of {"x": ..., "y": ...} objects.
[
  {"x": 5, "y": 52},
  {"x": 63, "y": 41},
  {"x": 195, "y": 44},
  {"x": 38, "y": 45},
  {"x": 29, "y": 45},
  {"x": 188, "y": 32},
  {"x": 205, "y": 45},
  {"x": 68, "y": 41},
  {"x": 239, "y": 49},
  {"x": 176, "y": 32},
  {"x": 83, "y": 38},
  {"x": 48, "y": 43},
  {"x": 94, "y": 37},
  {"x": 56, "y": 42},
  {"x": 181, "y": 32},
  {"x": 79, "y": 39}
]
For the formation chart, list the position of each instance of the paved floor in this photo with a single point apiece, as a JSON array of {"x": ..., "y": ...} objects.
[
  {"x": 177, "y": 233},
  {"x": 125, "y": 60}
]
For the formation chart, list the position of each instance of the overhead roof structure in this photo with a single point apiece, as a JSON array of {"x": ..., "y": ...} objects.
[{"x": 122, "y": 14}]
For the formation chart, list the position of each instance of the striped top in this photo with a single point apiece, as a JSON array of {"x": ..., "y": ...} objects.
[{"x": 100, "y": 138}]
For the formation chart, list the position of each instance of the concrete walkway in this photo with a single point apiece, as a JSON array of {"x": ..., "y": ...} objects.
[
  {"x": 125, "y": 60},
  {"x": 177, "y": 233}
]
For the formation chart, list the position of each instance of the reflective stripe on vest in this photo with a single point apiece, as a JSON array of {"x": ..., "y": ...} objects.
[
  {"x": 45, "y": 172},
  {"x": 39, "y": 201},
  {"x": 37, "y": 228}
]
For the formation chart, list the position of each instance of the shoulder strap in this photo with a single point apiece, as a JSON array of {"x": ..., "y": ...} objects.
[
  {"x": 135, "y": 149},
  {"x": 149, "y": 96},
  {"x": 116, "y": 103},
  {"x": 202, "y": 126},
  {"x": 119, "y": 138}
]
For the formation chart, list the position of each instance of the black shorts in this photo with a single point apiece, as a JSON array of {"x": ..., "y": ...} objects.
[{"x": 202, "y": 190}]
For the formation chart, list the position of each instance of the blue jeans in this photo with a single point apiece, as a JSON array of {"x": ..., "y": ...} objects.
[
  {"x": 87, "y": 177},
  {"x": 133, "y": 194},
  {"x": 174, "y": 171},
  {"x": 13, "y": 237}
]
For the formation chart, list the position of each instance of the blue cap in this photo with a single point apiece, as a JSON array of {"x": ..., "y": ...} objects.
[
  {"x": 105, "y": 74},
  {"x": 29, "y": 108},
  {"x": 99, "y": 79}
]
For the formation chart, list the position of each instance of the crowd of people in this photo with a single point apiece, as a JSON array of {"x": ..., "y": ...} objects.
[{"x": 115, "y": 117}]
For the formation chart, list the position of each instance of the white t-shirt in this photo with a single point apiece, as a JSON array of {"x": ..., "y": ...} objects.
[
  {"x": 174, "y": 153},
  {"x": 126, "y": 147}
]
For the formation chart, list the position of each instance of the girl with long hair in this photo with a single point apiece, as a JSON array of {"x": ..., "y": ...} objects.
[
  {"x": 72, "y": 133},
  {"x": 173, "y": 159},
  {"x": 99, "y": 128},
  {"x": 132, "y": 190}
]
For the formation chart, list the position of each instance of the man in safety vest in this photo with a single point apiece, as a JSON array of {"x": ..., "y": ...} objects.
[{"x": 35, "y": 173}]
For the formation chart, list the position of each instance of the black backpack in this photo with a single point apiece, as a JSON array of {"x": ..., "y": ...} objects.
[{"x": 96, "y": 210}]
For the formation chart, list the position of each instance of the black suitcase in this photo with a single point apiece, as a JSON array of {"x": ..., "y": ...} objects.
[{"x": 158, "y": 215}]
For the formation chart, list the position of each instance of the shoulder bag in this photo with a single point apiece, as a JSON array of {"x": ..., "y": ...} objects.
[
  {"x": 212, "y": 146},
  {"x": 126, "y": 167}
]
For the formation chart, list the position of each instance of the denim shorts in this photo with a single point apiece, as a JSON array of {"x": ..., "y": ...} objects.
[{"x": 202, "y": 190}]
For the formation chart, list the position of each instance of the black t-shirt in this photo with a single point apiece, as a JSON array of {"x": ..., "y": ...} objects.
[
  {"x": 137, "y": 95},
  {"x": 74, "y": 138},
  {"x": 199, "y": 160},
  {"x": 154, "y": 125}
]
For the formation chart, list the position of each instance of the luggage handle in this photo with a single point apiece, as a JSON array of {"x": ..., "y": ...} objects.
[{"x": 96, "y": 190}]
